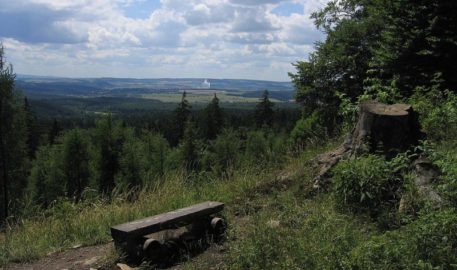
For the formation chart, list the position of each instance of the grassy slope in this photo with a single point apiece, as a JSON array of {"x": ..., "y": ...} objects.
[{"x": 272, "y": 225}]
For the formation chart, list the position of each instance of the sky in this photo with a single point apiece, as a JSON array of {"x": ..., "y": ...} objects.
[{"x": 239, "y": 39}]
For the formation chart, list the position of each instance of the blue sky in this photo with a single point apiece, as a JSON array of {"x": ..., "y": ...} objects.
[{"x": 249, "y": 39}]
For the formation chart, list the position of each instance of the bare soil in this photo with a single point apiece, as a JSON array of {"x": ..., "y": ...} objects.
[{"x": 73, "y": 259}]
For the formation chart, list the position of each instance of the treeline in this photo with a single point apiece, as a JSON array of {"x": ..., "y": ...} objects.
[
  {"x": 43, "y": 161},
  {"x": 113, "y": 155}
]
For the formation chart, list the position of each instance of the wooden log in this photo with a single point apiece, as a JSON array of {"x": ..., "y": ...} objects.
[{"x": 137, "y": 229}]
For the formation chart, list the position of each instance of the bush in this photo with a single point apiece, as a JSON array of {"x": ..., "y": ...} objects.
[
  {"x": 307, "y": 130},
  {"x": 428, "y": 243},
  {"x": 222, "y": 154},
  {"x": 445, "y": 157},
  {"x": 437, "y": 111},
  {"x": 365, "y": 184},
  {"x": 257, "y": 148}
]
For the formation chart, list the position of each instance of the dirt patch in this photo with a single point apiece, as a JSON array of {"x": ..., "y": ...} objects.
[{"x": 74, "y": 259}]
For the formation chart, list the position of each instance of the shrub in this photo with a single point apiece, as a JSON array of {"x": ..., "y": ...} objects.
[
  {"x": 438, "y": 112},
  {"x": 257, "y": 148},
  {"x": 307, "y": 130},
  {"x": 222, "y": 154},
  {"x": 365, "y": 184},
  {"x": 428, "y": 243}
]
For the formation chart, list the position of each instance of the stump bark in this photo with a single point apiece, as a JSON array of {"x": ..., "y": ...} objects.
[{"x": 381, "y": 128}]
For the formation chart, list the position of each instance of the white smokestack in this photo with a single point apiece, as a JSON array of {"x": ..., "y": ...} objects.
[{"x": 206, "y": 84}]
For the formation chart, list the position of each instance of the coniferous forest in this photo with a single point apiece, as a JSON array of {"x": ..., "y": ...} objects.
[{"x": 66, "y": 180}]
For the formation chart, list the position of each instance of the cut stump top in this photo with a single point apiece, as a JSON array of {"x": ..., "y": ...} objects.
[
  {"x": 164, "y": 221},
  {"x": 384, "y": 109}
]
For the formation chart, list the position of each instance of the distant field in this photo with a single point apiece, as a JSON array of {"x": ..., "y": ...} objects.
[
  {"x": 70, "y": 97},
  {"x": 203, "y": 97}
]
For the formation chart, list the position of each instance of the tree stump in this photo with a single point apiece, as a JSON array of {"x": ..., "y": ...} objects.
[{"x": 381, "y": 128}]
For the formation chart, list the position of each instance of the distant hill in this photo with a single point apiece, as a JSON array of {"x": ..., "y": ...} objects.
[
  {"x": 90, "y": 87},
  {"x": 67, "y": 97}
]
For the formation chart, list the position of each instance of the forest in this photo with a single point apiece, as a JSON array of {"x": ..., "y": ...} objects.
[{"x": 65, "y": 181}]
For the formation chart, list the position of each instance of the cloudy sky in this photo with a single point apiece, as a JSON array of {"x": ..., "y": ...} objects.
[{"x": 250, "y": 39}]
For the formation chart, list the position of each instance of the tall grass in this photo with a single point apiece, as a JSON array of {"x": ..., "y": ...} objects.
[{"x": 68, "y": 224}]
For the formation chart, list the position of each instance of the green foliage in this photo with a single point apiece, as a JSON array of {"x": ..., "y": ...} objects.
[
  {"x": 365, "y": 184},
  {"x": 376, "y": 90},
  {"x": 307, "y": 130},
  {"x": 257, "y": 148},
  {"x": 182, "y": 114},
  {"x": 75, "y": 159},
  {"x": 263, "y": 113},
  {"x": 156, "y": 150},
  {"x": 428, "y": 243},
  {"x": 31, "y": 129},
  {"x": 13, "y": 141},
  {"x": 438, "y": 112},
  {"x": 132, "y": 163},
  {"x": 214, "y": 119},
  {"x": 142, "y": 161},
  {"x": 380, "y": 50},
  {"x": 419, "y": 42},
  {"x": 223, "y": 153},
  {"x": 189, "y": 148},
  {"x": 108, "y": 138},
  {"x": 348, "y": 111},
  {"x": 340, "y": 63},
  {"x": 445, "y": 157},
  {"x": 47, "y": 177},
  {"x": 292, "y": 233}
]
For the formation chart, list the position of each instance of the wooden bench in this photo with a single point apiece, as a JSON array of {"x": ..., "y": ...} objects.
[{"x": 139, "y": 237}]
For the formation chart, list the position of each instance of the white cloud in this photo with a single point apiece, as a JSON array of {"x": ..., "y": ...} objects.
[{"x": 202, "y": 38}]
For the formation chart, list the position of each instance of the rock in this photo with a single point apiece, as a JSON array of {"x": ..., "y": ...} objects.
[
  {"x": 425, "y": 174},
  {"x": 92, "y": 261},
  {"x": 273, "y": 223},
  {"x": 124, "y": 266},
  {"x": 426, "y": 171}
]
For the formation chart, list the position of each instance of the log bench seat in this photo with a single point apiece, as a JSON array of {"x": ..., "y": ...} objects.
[{"x": 146, "y": 238}]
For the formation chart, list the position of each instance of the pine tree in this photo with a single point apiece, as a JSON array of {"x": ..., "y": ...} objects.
[
  {"x": 264, "y": 111},
  {"x": 182, "y": 114},
  {"x": 214, "y": 119},
  {"x": 13, "y": 148},
  {"x": 6, "y": 95},
  {"x": 75, "y": 163},
  {"x": 419, "y": 44},
  {"x": 108, "y": 143},
  {"x": 132, "y": 162},
  {"x": 157, "y": 148},
  {"x": 46, "y": 181},
  {"x": 189, "y": 147},
  {"x": 54, "y": 132},
  {"x": 32, "y": 136}
]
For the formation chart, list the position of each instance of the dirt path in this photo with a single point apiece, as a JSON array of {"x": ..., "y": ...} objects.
[{"x": 74, "y": 259}]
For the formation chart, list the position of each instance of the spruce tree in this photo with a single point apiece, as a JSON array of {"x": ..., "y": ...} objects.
[
  {"x": 189, "y": 147},
  {"x": 264, "y": 111},
  {"x": 6, "y": 95},
  {"x": 75, "y": 163},
  {"x": 31, "y": 128},
  {"x": 108, "y": 143},
  {"x": 214, "y": 119},
  {"x": 13, "y": 147},
  {"x": 54, "y": 132},
  {"x": 182, "y": 114}
]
